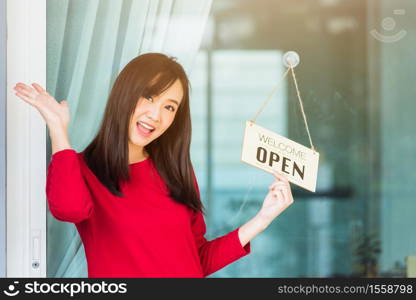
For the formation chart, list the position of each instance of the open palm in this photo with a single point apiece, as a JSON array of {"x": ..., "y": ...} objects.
[{"x": 53, "y": 112}]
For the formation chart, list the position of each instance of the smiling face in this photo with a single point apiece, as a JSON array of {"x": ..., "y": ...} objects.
[{"x": 152, "y": 117}]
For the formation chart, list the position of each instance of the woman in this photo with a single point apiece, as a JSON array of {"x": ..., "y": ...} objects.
[{"x": 132, "y": 193}]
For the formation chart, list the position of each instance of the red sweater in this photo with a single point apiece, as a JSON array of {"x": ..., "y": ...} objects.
[{"x": 143, "y": 234}]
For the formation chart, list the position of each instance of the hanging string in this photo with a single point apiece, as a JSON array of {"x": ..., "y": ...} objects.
[
  {"x": 299, "y": 98},
  {"x": 301, "y": 107},
  {"x": 251, "y": 185},
  {"x": 270, "y": 96},
  {"x": 245, "y": 199},
  {"x": 232, "y": 222}
]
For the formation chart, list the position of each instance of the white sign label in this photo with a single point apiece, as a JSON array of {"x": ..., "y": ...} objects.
[{"x": 268, "y": 151}]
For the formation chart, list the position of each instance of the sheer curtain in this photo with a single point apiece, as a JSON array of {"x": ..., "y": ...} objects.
[{"x": 88, "y": 44}]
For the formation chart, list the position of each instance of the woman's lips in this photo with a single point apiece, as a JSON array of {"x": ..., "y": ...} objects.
[{"x": 142, "y": 130}]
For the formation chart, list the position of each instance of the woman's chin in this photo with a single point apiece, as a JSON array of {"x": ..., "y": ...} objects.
[
  {"x": 139, "y": 142},
  {"x": 142, "y": 141}
]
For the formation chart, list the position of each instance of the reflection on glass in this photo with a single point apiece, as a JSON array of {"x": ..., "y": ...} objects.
[{"x": 355, "y": 89}]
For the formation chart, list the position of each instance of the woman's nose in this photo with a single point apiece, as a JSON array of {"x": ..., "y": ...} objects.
[{"x": 154, "y": 113}]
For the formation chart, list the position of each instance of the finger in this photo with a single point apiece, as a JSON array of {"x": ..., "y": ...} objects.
[
  {"x": 24, "y": 87},
  {"x": 284, "y": 197},
  {"x": 38, "y": 88},
  {"x": 278, "y": 194},
  {"x": 277, "y": 188},
  {"x": 24, "y": 92},
  {"x": 24, "y": 97},
  {"x": 279, "y": 176},
  {"x": 29, "y": 92},
  {"x": 286, "y": 194},
  {"x": 284, "y": 190},
  {"x": 278, "y": 183}
]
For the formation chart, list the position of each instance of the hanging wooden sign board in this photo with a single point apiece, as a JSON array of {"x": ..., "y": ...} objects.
[{"x": 269, "y": 151}]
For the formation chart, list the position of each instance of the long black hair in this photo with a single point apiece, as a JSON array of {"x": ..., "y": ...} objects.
[{"x": 107, "y": 155}]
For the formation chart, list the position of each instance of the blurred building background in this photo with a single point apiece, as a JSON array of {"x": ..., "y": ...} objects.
[{"x": 355, "y": 77}]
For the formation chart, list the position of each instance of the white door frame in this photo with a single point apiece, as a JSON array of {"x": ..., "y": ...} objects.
[
  {"x": 26, "y": 142},
  {"x": 3, "y": 88}
]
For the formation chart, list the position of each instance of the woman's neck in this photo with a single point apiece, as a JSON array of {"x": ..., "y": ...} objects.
[{"x": 137, "y": 154}]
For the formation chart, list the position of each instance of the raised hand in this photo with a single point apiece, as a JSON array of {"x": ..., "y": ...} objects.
[
  {"x": 278, "y": 199},
  {"x": 53, "y": 112}
]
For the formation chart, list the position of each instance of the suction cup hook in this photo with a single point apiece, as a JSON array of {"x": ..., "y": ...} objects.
[{"x": 291, "y": 59}]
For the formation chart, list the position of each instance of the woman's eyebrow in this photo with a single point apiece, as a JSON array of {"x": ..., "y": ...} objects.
[{"x": 175, "y": 101}]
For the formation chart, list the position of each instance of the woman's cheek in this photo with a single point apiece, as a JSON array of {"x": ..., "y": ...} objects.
[{"x": 164, "y": 127}]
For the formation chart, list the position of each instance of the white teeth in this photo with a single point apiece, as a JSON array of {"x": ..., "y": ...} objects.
[{"x": 146, "y": 126}]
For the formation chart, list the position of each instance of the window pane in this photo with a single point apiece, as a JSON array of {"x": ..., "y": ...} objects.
[{"x": 357, "y": 94}]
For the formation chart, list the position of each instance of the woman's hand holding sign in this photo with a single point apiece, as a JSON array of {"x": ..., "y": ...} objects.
[{"x": 276, "y": 201}]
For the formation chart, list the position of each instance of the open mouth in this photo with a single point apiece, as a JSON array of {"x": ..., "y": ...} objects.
[{"x": 144, "y": 129}]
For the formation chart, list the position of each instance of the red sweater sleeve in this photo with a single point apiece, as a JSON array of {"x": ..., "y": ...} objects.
[
  {"x": 68, "y": 196},
  {"x": 217, "y": 253}
]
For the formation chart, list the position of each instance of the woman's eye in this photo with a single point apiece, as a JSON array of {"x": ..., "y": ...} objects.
[
  {"x": 170, "y": 107},
  {"x": 149, "y": 98}
]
